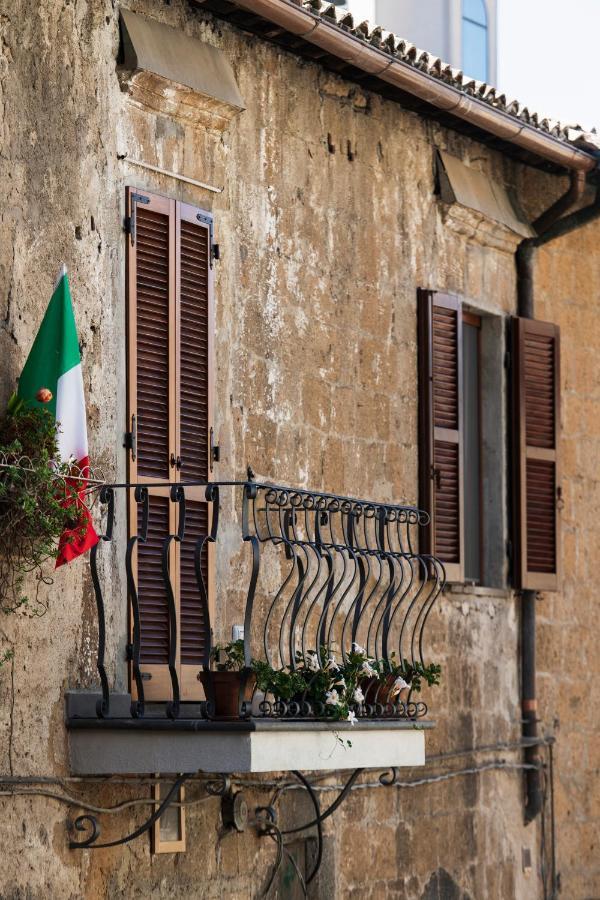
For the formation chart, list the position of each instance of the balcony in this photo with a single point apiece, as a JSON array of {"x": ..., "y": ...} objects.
[{"x": 323, "y": 593}]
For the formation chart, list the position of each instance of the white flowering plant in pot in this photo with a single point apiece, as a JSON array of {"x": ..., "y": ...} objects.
[{"x": 337, "y": 690}]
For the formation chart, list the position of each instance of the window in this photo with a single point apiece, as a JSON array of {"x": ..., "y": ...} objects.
[
  {"x": 475, "y": 39},
  {"x": 463, "y": 454},
  {"x": 169, "y": 387}
]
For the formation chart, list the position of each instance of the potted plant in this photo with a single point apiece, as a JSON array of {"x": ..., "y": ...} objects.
[
  {"x": 398, "y": 680},
  {"x": 284, "y": 684},
  {"x": 228, "y": 684}
]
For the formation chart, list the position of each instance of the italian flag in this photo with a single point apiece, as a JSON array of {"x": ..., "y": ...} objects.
[{"x": 52, "y": 378}]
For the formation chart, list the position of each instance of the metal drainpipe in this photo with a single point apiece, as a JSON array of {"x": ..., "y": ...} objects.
[{"x": 549, "y": 226}]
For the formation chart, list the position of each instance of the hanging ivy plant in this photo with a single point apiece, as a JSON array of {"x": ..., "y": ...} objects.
[{"x": 37, "y": 502}]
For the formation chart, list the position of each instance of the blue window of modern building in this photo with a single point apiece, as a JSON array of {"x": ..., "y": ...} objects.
[{"x": 475, "y": 39}]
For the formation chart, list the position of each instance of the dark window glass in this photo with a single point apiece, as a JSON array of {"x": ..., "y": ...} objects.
[
  {"x": 472, "y": 450},
  {"x": 474, "y": 40}
]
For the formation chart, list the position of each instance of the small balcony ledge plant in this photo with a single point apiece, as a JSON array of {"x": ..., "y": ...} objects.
[{"x": 318, "y": 683}]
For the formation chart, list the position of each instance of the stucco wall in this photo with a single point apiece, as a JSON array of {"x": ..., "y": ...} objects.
[{"x": 322, "y": 253}]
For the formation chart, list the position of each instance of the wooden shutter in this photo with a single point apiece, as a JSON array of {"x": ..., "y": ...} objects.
[
  {"x": 170, "y": 328},
  {"x": 194, "y": 415},
  {"x": 536, "y": 416},
  {"x": 441, "y": 428},
  {"x": 151, "y": 408}
]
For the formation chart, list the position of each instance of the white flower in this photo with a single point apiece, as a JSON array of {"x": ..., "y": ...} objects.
[
  {"x": 368, "y": 669},
  {"x": 340, "y": 684},
  {"x": 332, "y": 698},
  {"x": 356, "y": 648},
  {"x": 358, "y": 695},
  {"x": 313, "y": 662},
  {"x": 399, "y": 685},
  {"x": 351, "y": 717},
  {"x": 331, "y": 663}
]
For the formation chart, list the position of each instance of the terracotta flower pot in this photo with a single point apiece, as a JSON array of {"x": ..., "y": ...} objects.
[
  {"x": 368, "y": 686},
  {"x": 377, "y": 691},
  {"x": 226, "y": 691}
]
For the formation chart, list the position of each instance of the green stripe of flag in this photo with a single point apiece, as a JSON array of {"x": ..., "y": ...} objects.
[{"x": 55, "y": 349}]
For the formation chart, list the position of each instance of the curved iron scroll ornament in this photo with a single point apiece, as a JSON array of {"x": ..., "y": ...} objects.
[
  {"x": 89, "y": 823},
  {"x": 107, "y": 497},
  {"x": 142, "y": 498},
  {"x": 325, "y": 573}
]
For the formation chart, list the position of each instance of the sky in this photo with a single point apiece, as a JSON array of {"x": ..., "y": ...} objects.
[{"x": 548, "y": 57}]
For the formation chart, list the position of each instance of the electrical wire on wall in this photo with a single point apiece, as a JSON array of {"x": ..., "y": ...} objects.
[{"x": 265, "y": 817}]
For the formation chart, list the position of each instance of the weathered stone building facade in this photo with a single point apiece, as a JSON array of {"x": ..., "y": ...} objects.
[{"x": 329, "y": 220}]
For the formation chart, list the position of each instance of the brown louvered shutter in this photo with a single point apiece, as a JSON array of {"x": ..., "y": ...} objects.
[
  {"x": 195, "y": 330},
  {"x": 440, "y": 427},
  {"x": 170, "y": 329},
  {"x": 536, "y": 397},
  {"x": 151, "y": 401}
]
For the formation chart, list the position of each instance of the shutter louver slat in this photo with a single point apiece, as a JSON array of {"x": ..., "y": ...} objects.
[
  {"x": 193, "y": 626},
  {"x": 447, "y": 535},
  {"x": 193, "y": 406},
  {"x": 539, "y": 390},
  {"x": 153, "y": 603},
  {"x": 440, "y": 405},
  {"x": 445, "y": 367},
  {"x": 446, "y": 455},
  {"x": 536, "y": 418},
  {"x": 541, "y": 514},
  {"x": 152, "y": 309}
]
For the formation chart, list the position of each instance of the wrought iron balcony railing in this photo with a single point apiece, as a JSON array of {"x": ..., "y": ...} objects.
[{"x": 310, "y": 575}]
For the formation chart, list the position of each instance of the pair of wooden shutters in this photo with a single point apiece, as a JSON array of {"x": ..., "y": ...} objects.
[
  {"x": 169, "y": 390},
  {"x": 534, "y": 425}
]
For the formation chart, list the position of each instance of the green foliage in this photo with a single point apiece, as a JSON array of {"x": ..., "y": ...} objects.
[
  {"x": 412, "y": 672},
  {"x": 334, "y": 690},
  {"x": 5, "y": 656},
  {"x": 35, "y": 492},
  {"x": 284, "y": 684},
  {"x": 228, "y": 657}
]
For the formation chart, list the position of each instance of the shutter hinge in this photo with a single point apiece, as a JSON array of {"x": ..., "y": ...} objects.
[
  {"x": 507, "y": 360},
  {"x": 214, "y": 251},
  {"x": 509, "y": 550},
  {"x": 130, "y": 220},
  {"x": 436, "y": 475},
  {"x": 129, "y": 652},
  {"x": 130, "y": 441},
  {"x": 215, "y": 450}
]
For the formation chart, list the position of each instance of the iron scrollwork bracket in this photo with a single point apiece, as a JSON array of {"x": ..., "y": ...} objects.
[{"x": 89, "y": 823}]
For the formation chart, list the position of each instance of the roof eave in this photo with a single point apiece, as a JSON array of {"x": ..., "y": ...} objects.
[{"x": 333, "y": 40}]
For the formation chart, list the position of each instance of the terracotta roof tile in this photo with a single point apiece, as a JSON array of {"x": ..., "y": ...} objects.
[{"x": 437, "y": 68}]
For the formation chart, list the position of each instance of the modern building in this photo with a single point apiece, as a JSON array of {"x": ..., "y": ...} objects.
[{"x": 461, "y": 32}]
